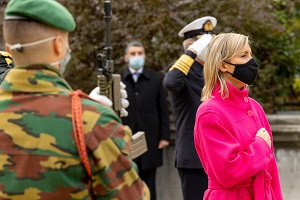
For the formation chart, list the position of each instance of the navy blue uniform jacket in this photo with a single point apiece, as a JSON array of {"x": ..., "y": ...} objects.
[{"x": 185, "y": 93}]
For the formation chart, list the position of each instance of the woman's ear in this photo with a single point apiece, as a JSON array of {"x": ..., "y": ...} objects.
[{"x": 222, "y": 67}]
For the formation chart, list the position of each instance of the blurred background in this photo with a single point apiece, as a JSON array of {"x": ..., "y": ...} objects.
[{"x": 272, "y": 25}]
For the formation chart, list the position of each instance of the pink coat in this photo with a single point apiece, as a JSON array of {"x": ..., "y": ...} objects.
[{"x": 239, "y": 165}]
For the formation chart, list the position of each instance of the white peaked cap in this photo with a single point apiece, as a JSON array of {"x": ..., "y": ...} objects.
[{"x": 203, "y": 25}]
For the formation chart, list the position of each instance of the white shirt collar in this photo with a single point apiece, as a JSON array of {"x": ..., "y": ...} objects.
[{"x": 140, "y": 70}]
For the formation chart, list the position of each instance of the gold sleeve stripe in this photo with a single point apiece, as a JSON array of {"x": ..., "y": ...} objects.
[
  {"x": 7, "y": 57},
  {"x": 4, "y": 53},
  {"x": 183, "y": 64},
  {"x": 8, "y": 61}
]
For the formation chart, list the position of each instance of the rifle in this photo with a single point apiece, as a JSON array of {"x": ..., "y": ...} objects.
[{"x": 108, "y": 82}]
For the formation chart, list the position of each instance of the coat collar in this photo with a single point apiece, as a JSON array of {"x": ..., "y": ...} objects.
[
  {"x": 140, "y": 70},
  {"x": 145, "y": 73},
  {"x": 236, "y": 96}
]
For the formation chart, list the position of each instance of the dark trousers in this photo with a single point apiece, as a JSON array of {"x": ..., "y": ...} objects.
[
  {"x": 148, "y": 176},
  {"x": 194, "y": 182}
]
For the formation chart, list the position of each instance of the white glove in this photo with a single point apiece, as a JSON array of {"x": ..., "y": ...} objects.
[
  {"x": 95, "y": 94},
  {"x": 124, "y": 101},
  {"x": 200, "y": 46}
]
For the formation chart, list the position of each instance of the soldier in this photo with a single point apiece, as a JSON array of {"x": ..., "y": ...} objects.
[
  {"x": 39, "y": 158},
  {"x": 6, "y": 63},
  {"x": 184, "y": 81}
]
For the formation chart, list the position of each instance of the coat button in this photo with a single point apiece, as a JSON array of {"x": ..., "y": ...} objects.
[
  {"x": 246, "y": 99},
  {"x": 250, "y": 113},
  {"x": 271, "y": 156},
  {"x": 136, "y": 93}
]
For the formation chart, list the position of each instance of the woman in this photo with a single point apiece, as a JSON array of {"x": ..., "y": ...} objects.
[{"x": 232, "y": 133}]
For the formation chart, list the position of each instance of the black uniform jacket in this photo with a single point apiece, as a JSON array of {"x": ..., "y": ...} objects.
[
  {"x": 185, "y": 93},
  {"x": 148, "y": 112}
]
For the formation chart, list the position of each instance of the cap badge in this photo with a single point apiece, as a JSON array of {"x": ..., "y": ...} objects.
[{"x": 208, "y": 26}]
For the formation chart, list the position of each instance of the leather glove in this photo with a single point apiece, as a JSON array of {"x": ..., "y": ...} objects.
[
  {"x": 200, "y": 46},
  {"x": 95, "y": 94}
]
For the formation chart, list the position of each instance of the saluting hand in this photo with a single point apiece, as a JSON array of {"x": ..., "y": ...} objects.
[{"x": 200, "y": 46}]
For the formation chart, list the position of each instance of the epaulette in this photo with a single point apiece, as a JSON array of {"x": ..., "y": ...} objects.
[{"x": 7, "y": 58}]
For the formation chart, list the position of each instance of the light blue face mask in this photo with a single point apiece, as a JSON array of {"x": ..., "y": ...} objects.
[
  {"x": 64, "y": 62},
  {"x": 136, "y": 62}
]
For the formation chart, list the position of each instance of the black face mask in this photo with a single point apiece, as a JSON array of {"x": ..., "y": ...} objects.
[{"x": 245, "y": 72}]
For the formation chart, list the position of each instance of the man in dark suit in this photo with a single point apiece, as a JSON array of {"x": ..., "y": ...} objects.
[
  {"x": 184, "y": 81},
  {"x": 147, "y": 111}
]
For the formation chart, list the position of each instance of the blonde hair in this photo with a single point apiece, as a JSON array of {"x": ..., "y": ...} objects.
[{"x": 223, "y": 47}]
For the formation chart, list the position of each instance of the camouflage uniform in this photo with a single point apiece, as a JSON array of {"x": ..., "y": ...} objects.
[{"x": 38, "y": 155}]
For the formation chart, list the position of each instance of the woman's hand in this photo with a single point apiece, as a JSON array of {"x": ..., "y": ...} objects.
[{"x": 263, "y": 133}]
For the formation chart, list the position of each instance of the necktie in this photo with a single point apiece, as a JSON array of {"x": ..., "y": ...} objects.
[{"x": 135, "y": 76}]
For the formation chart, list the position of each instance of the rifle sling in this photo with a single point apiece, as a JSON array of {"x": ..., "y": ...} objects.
[{"x": 77, "y": 124}]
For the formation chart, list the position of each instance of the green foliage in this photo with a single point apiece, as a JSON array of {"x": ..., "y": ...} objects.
[
  {"x": 296, "y": 87},
  {"x": 272, "y": 25},
  {"x": 279, "y": 56}
]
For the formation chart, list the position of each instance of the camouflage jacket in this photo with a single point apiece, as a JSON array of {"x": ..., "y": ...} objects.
[{"x": 38, "y": 154}]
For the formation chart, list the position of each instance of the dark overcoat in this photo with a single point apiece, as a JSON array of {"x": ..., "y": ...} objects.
[{"x": 148, "y": 112}]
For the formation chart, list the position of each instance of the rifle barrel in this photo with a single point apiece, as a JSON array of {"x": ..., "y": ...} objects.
[{"x": 107, "y": 16}]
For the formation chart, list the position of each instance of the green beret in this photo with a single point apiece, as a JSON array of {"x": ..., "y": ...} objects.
[{"x": 48, "y": 12}]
